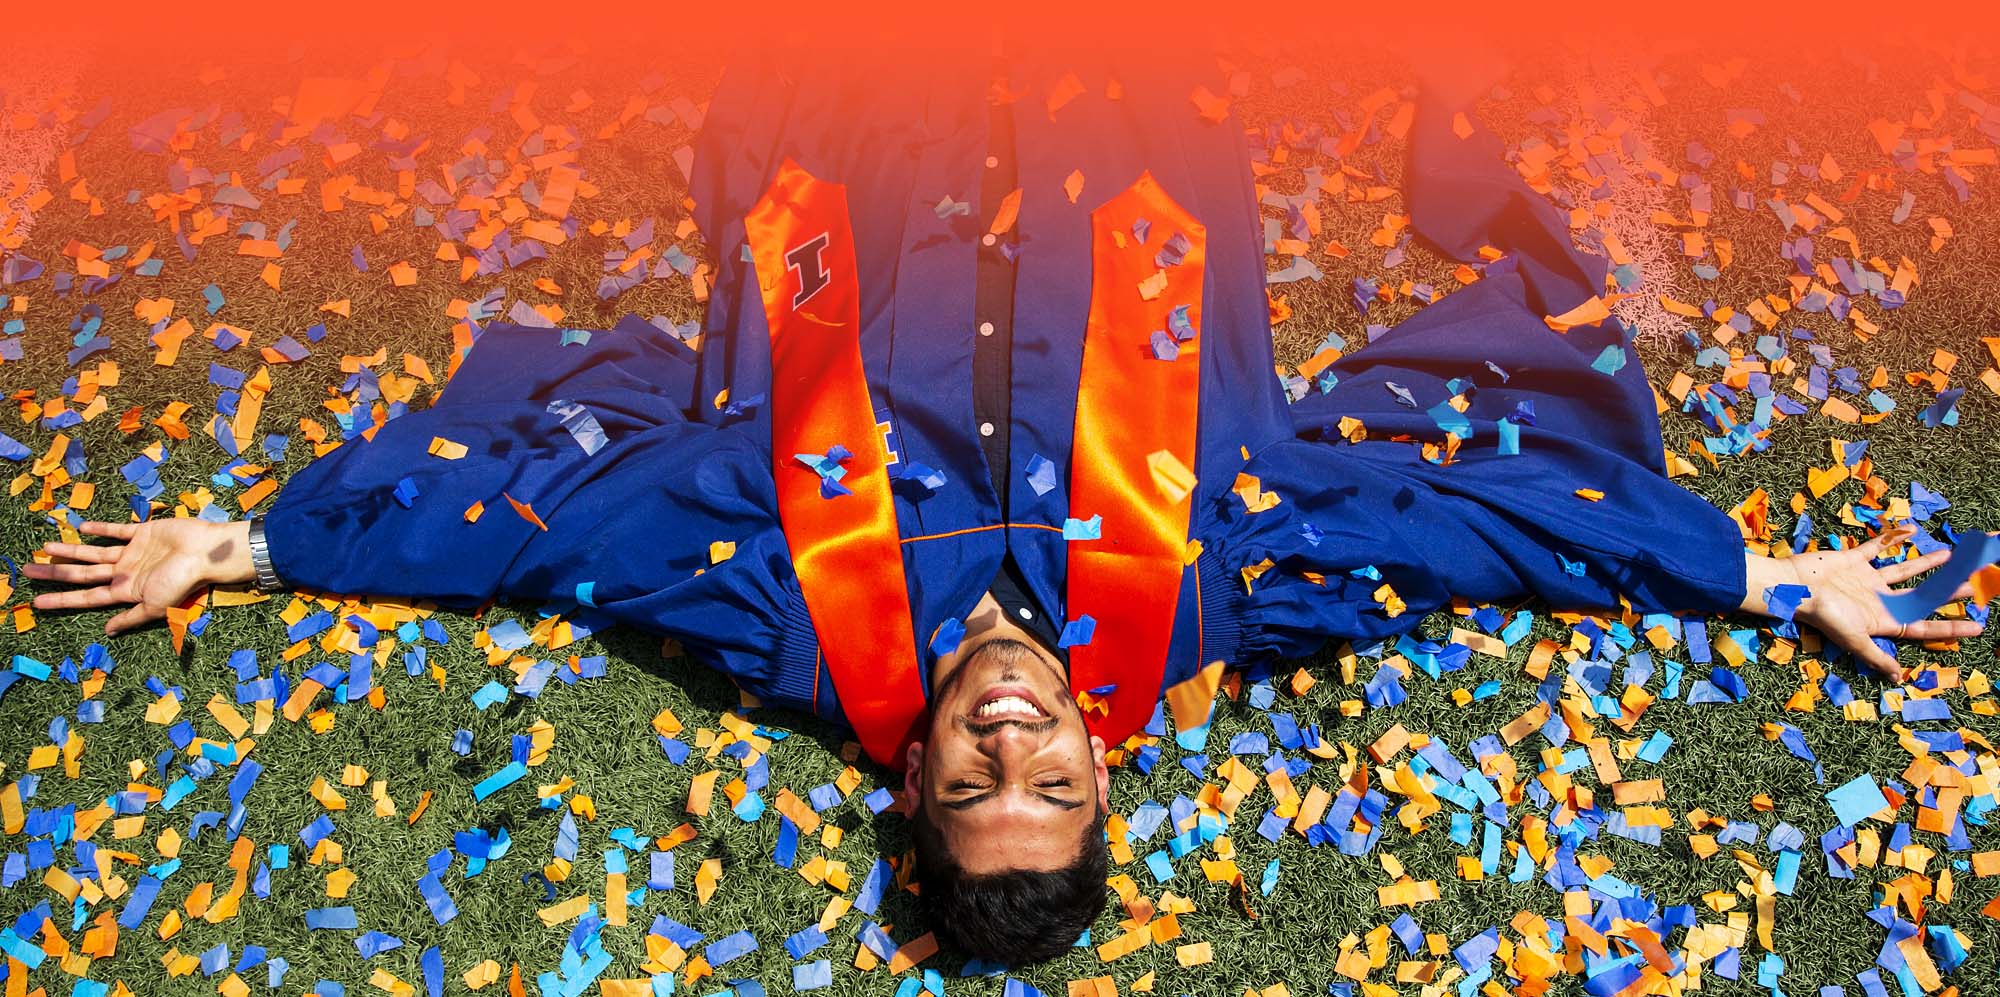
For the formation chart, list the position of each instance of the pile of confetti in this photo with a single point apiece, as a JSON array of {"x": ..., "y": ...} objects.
[{"x": 319, "y": 794}]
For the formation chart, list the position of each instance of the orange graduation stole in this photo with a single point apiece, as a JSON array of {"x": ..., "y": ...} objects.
[
  {"x": 829, "y": 460},
  {"x": 1134, "y": 447}
]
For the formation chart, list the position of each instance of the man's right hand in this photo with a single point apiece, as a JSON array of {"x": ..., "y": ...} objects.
[{"x": 156, "y": 566}]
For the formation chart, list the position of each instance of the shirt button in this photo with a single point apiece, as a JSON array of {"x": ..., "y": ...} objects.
[
  {"x": 986, "y": 429},
  {"x": 988, "y": 239},
  {"x": 986, "y": 328},
  {"x": 1026, "y": 613},
  {"x": 992, "y": 161}
]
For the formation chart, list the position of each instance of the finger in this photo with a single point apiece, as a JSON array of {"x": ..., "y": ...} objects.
[
  {"x": 136, "y": 616},
  {"x": 1872, "y": 656},
  {"x": 1903, "y": 570},
  {"x": 1942, "y": 629},
  {"x": 119, "y": 531},
  {"x": 87, "y": 553},
  {"x": 78, "y": 599},
  {"x": 72, "y": 573}
]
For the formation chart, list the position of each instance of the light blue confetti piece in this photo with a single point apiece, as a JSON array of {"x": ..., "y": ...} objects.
[
  {"x": 1041, "y": 473},
  {"x": 1656, "y": 747},
  {"x": 1610, "y": 361},
  {"x": 488, "y": 694},
  {"x": 507, "y": 635},
  {"x": 1450, "y": 420},
  {"x": 1270, "y": 878},
  {"x": 581, "y": 424},
  {"x": 812, "y": 975},
  {"x": 1854, "y": 800},
  {"x": 499, "y": 780},
  {"x": 1083, "y": 529}
]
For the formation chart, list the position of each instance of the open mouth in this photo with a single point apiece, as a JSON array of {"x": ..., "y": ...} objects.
[{"x": 1008, "y": 703}]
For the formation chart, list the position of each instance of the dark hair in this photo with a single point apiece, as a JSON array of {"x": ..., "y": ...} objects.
[{"x": 1011, "y": 918}]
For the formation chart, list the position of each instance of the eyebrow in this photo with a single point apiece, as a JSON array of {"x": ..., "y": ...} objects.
[{"x": 973, "y": 801}]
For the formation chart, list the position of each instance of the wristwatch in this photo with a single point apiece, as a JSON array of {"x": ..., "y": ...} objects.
[{"x": 260, "y": 558}]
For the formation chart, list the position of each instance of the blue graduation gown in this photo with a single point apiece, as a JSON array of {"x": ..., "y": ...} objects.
[{"x": 688, "y": 463}]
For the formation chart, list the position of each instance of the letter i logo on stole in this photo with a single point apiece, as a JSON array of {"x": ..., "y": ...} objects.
[{"x": 805, "y": 260}]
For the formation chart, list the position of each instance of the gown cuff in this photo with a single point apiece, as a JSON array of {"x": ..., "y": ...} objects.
[
  {"x": 797, "y": 677},
  {"x": 1223, "y": 607}
]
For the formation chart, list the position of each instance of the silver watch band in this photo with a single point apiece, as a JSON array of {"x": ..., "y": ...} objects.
[{"x": 260, "y": 558}]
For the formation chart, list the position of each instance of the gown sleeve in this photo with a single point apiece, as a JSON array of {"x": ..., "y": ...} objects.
[
  {"x": 640, "y": 529},
  {"x": 1486, "y": 525}
]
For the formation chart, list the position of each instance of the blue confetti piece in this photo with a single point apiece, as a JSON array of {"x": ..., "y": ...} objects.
[
  {"x": 949, "y": 634},
  {"x": 330, "y": 918},
  {"x": 805, "y": 942},
  {"x": 1968, "y": 556},
  {"x": 375, "y": 942},
  {"x": 1041, "y": 471},
  {"x": 722, "y": 951},
  {"x": 1783, "y": 600},
  {"x": 1077, "y": 632}
]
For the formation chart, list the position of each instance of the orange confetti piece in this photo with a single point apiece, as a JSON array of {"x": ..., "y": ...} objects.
[{"x": 526, "y": 512}]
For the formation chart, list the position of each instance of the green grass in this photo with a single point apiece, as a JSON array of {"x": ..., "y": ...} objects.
[{"x": 1718, "y": 762}]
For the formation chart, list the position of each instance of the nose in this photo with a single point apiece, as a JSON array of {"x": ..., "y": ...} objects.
[{"x": 1009, "y": 744}]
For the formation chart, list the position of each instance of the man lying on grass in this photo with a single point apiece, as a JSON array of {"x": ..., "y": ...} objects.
[{"x": 988, "y": 478}]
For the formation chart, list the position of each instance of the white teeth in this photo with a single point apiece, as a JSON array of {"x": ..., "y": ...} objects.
[{"x": 1009, "y": 704}]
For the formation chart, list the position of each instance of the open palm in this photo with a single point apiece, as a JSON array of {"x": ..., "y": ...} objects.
[
  {"x": 157, "y": 567},
  {"x": 1846, "y": 600}
]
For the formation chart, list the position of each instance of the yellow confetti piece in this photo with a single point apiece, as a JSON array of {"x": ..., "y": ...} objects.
[
  {"x": 1406, "y": 893},
  {"x": 1251, "y": 490},
  {"x": 441, "y": 447},
  {"x": 1590, "y": 494},
  {"x": 388, "y": 983},
  {"x": 1072, "y": 187},
  {"x": 567, "y": 910},
  {"x": 1170, "y": 475},
  {"x": 1151, "y": 287},
  {"x": 701, "y": 792},
  {"x": 706, "y": 879},
  {"x": 326, "y": 795},
  {"x": 720, "y": 551}
]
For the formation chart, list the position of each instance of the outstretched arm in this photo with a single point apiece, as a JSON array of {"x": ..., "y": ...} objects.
[
  {"x": 1845, "y": 603},
  {"x": 157, "y": 565}
]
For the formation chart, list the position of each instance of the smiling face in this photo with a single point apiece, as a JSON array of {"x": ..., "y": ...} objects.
[{"x": 1007, "y": 773}]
